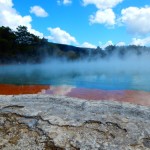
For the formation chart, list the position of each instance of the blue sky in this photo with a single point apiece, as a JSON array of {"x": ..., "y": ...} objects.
[{"x": 87, "y": 23}]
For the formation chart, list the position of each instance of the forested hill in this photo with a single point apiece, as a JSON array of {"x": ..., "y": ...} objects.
[{"x": 20, "y": 46}]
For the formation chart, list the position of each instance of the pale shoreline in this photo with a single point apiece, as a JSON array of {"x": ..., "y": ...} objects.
[{"x": 61, "y": 122}]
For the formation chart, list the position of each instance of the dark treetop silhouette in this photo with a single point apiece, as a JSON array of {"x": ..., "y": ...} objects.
[{"x": 21, "y": 46}]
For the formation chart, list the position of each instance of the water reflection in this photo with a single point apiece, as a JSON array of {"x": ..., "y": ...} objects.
[{"x": 58, "y": 90}]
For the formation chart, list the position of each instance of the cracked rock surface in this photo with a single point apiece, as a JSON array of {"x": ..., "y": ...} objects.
[{"x": 46, "y": 122}]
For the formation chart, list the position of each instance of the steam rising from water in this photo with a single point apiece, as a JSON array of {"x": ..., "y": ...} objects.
[{"x": 114, "y": 73}]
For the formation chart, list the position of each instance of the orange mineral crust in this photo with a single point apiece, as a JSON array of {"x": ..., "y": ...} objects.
[
  {"x": 19, "y": 89},
  {"x": 136, "y": 97}
]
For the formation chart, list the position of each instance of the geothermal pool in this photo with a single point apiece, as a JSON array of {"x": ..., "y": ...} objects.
[{"x": 78, "y": 80}]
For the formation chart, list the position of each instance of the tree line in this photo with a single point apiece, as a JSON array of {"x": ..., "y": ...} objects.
[{"x": 21, "y": 46}]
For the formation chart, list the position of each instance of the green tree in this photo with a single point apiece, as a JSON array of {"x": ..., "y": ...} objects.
[
  {"x": 7, "y": 38},
  {"x": 23, "y": 36}
]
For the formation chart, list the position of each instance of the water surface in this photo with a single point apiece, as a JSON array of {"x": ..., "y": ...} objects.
[{"x": 97, "y": 84}]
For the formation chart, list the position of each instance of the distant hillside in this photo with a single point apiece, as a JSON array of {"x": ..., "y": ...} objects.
[{"x": 23, "y": 47}]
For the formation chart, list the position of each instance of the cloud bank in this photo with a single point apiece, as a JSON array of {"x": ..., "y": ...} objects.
[
  {"x": 88, "y": 45},
  {"x": 64, "y": 2},
  {"x": 142, "y": 42},
  {"x": 102, "y": 4},
  {"x": 61, "y": 36},
  {"x": 136, "y": 19},
  {"x": 104, "y": 14},
  {"x": 106, "y": 17},
  {"x": 10, "y": 17}
]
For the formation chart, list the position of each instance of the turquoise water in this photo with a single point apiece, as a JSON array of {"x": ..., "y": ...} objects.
[{"x": 75, "y": 75}]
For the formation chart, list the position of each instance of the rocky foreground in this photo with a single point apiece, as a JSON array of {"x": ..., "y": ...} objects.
[{"x": 46, "y": 122}]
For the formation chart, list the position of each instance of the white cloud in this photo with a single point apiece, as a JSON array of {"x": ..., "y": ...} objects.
[
  {"x": 6, "y": 3},
  {"x": 106, "y": 16},
  {"x": 102, "y": 4},
  {"x": 60, "y": 36},
  {"x": 121, "y": 44},
  {"x": 38, "y": 11},
  {"x": 136, "y": 19},
  {"x": 10, "y": 17},
  {"x": 65, "y": 2},
  {"x": 88, "y": 45},
  {"x": 108, "y": 43},
  {"x": 141, "y": 42}
]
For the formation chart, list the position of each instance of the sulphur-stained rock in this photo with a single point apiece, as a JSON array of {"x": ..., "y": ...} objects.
[{"x": 46, "y": 122}]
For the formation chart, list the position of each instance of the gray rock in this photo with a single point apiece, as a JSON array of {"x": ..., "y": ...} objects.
[{"x": 49, "y": 122}]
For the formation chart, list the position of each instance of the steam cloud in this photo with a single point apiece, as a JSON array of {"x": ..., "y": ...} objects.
[{"x": 131, "y": 72}]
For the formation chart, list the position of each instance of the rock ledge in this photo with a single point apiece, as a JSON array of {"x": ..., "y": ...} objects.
[{"x": 62, "y": 123}]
